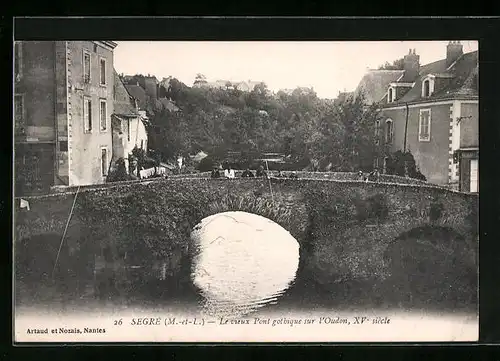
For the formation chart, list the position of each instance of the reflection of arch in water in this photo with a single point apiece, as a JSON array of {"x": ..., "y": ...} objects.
[
  {"x": 284, "y": 209},
  {"x": 242, "y": 261},
  {"x": 431, "y": 263}
]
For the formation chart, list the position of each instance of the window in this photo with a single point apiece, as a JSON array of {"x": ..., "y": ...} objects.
[
  {"x": 391, "y": 96},
  {"x": 129, "y": 125},
  {"x": 63, "y": 146},
  {"x": 389, "y": 131},
  {"x": 102, "y": 68},
  {"x": 103, "y": 115},
  {"x": 18, "y": 108},
  {"x": 427, "y": 87},
  {"x": 424, "y": 126},
  {"x": 87, "y": 114},
  {"x": 86, "y": 67},
  {"x": 18, "y": 60},
  {"x": 384, "y": 168},
  {"x": 377, "y": 131},
  {"x": 19, "y": 114},
  {"x": 104, "y": 161}
]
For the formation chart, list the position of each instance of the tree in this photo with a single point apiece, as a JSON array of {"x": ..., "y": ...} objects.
[
  {"x": 309, "y": 130},
  {"x": 139, "y": 157},
  {"x": 358, "y": 146},
  {"x": 206, "y": 164},
  {"x": 395, "y": 65},
  {"x": 200, "y": 79},
  {"x": 170, "y": 134}
]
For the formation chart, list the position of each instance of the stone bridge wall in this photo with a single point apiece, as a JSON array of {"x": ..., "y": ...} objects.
[{"x": 344, "y": 227}]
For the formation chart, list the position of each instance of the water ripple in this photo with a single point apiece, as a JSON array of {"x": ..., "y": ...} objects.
[{"x": 242, "y": 262}]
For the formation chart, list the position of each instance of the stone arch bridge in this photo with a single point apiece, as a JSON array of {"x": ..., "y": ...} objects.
[{"x": 346, "y": 229}]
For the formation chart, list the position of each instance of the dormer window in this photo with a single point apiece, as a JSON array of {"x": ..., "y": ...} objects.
[
  {"x": 427, "y": 86},
  {"x": 391, "y": 95}
]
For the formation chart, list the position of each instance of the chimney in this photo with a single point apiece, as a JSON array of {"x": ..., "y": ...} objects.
[
  {"x": 411, "y": 65},
  {"x": 454, "y": 50}
]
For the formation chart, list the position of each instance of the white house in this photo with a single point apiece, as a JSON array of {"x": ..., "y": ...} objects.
[{"x": 128, "y": 124}]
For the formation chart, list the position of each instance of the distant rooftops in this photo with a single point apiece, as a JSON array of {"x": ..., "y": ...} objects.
[{"x": 454, "y": 75}]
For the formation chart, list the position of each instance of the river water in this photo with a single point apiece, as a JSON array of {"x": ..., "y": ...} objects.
[
  {"x": 242, "y": 262},
  {"x": 246, "y": 266}
]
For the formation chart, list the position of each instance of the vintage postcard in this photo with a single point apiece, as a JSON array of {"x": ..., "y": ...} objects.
[{"x": 264, "y": 191}]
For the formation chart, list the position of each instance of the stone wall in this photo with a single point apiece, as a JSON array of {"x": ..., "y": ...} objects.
[{"x": 344, "y": 227}]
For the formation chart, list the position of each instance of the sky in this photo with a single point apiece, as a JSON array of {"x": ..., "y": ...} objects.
[{"x": 328, "y": 67}]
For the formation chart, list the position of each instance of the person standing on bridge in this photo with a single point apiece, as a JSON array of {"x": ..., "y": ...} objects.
[
  {"x": 374, "y": 176},
  {"x": 247, "y": 174},
  {"x": 261, "y": 172},
  {"x": 215, "y": 173},
  {"x": 229, "y": 172}
]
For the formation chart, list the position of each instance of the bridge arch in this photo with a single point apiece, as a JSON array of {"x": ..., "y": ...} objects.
[
  {"x": 270, "y": 209},
  {"x": 338, "y": 220},
  {"x": 431, "y": 262}
]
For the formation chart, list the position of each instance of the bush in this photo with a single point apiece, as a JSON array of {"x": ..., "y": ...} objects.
[
  {"x": 397, "y": 163},
  {"x": 206, "y": 164},
  {"x": 119, "y": 172}
]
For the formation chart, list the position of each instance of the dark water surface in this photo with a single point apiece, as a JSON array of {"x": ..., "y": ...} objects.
[{"x": 245, "y": 265}]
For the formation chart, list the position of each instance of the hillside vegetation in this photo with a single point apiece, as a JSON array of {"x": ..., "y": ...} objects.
[
  {"x": 313, "y": 133},
  {"x": 309, "y": 130}
]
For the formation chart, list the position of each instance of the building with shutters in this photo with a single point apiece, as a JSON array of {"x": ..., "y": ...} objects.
[
  {"x": 432, "y": 111},
  {"x": 63, "y": 101}
]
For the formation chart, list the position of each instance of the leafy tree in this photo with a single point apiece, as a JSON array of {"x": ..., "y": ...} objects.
[
  {"x": 206, "y": 164},
  {"x": 308, "y": 129},
  {"x": 169, "y": 134},
  {"x": 395, "y": 65},
  {"x": 139, "y": 157},
  {"x": 200, "y": 79},
  {"x": 358, "y": 146}
]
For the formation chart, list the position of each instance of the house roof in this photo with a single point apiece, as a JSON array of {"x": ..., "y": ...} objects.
[
  {"x": 343, "y": 96},
  {"x": 167, "y": 104},
  {"x": 375, "y": 83},
  {"x": 462, "y": 75},
  {"x": 137, "y": 92},
  {"x": 199, "y": 156},
  {"x": 252, "y": 84},
  {"x": 128, "y": 79},
  {"x": 165, "y": 82},
  {"x": 122, "y": 102}
]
